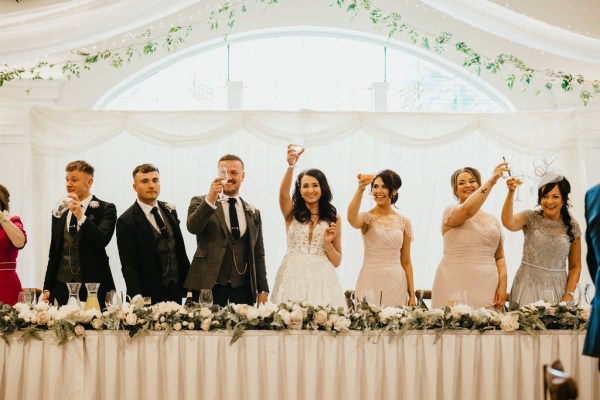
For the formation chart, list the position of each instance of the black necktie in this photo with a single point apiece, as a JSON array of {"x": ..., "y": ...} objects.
[
  {"x": 73, "y": 225},
  {"x": 233, "y": 219},
  {"x": 159, "y": 221}
]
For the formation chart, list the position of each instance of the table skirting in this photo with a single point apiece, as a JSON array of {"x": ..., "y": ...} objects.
[{"x": 292, "y": 365}]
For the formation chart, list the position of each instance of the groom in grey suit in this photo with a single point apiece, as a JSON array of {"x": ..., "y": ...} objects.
[{"x": 230, "y": 256}]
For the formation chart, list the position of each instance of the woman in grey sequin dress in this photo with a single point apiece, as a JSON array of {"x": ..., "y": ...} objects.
[{"x": 552, "y": 237}]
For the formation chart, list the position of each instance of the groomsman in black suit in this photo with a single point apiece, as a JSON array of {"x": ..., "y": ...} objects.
[
  {"x": 79, "y": 239},
  {"x": 592, "y": 237},
  {"x": 151, "y": 247},
  {"x": 230, "y": 257}
]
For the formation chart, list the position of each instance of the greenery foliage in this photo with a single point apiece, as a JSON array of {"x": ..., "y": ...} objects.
[
  {"x": 510, "y": 68},
  {"x": 68, "y": 322}
]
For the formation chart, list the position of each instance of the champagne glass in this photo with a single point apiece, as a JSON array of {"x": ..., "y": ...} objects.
[
  {"x": 367, "y": 295},
  {"x": 222, "y": 173},
  {"x": 368, "y": 192},
  {"x": 297, "y": 145},
  {"x": 518, "y": 177},
  {"x": 24, "y": 297},
  {"x": 457, "y": 297},
  {"x": 147, "y": 301},
  {"x": 62, "y": 206},
  {"x": 206, "y": 298}
]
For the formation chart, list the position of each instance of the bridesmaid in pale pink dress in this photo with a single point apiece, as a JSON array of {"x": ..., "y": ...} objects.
[
  {"x": 387, "y": 269},
  {"x": 473, "y": 258}
]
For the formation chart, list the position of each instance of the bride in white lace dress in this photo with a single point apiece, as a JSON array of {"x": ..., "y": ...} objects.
[
  {"x": 314, "y": 249},
  {"x": 387, "y": 271}
]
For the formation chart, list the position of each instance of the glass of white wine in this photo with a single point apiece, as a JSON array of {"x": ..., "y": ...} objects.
[
  {"x": 222, "y": 173},
  {"x": 297, "y": 145},
  {"x": 518, "y": 177}
]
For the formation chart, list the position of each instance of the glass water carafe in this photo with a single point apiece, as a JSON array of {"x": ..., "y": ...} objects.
[
  {"x": 583, "y": 295},
  {"x": 92, "y": 302},
  {"x": 74, "y": 294}
]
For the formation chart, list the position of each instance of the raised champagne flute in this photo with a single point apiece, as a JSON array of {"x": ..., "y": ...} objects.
[
  {"x": 297, "y": 145},
  {"x": 518, "y": 177},
  {"x": 222, "y": 173}
]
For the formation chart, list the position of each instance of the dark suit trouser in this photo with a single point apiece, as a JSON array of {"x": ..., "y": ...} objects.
[
  {"x": 173, "y": 292},
  {"x": 238, "y": 295}
]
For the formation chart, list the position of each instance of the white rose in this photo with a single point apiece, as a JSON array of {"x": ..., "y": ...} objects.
[
  {"x": 285, "y": 316},
  {"x": 43, "y": 318},
  {"x": 205, "y": 325},
  {"x": 320, "y": 317},
  {"x": 342, "y": 324},
  {"x": 182, "y": 311},
  {"x": 97, "y": 323},
  {"x": 177, "y": 326},
  {"x": 131, "y": 319},
  {"x": 157, "y": 326},
  {"x": 164, "y": 325},
  {"x": 296, "y": 318},
  {"x": 205, "y": 312},
  {"x": 191, "y": 326},
  {"x": 252, "y": 313},
  {"x": 333, "y": 318},
  {"x": 509, "y": 322},
  {"x": 79, "y": 330},
  {"x": 267, "y": 309},
  {"x": 584, "y": 314},
  {"x": 50, "y": 324},
  {"x": 551, "y": 310},
  {"x": 241, "y": 309}
]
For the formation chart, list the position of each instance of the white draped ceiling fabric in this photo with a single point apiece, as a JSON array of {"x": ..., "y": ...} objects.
[
  {"x": 76, "y": 23},
  {"x": 424, "y": 148}
]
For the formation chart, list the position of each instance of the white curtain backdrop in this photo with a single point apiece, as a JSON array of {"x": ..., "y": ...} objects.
[{"x": 423, "y": 148}]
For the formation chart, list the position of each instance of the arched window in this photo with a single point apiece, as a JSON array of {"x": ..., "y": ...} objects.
[{"x": 317, "y": 70}]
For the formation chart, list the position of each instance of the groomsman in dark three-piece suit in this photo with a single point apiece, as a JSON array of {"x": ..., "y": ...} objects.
[
  {"x": 230, "y": 257},
  {"x": 592, "y": 237},
  {"x": 79, "y": 239},
  {"x": 151, "y": 247}
]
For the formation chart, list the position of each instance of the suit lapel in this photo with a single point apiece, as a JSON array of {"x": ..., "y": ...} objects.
[
  {"x": 220, "y": 213},
  {"x": 142, "y": 222},
  {"x": 250, "y": 226}
]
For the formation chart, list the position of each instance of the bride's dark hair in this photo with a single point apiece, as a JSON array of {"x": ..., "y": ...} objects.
[{"x": 327, "y": 211}]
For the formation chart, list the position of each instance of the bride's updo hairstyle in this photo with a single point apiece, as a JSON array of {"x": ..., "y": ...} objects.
[
  {"x": 327, "y": 212},
  {"x": 454, "y": 178},
  {"x": 391, "y": 180}
]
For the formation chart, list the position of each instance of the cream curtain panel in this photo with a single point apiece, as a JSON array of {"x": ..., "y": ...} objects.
[
  {"x": 293, "y": 365},
  {"x": 424, "y": 148}
]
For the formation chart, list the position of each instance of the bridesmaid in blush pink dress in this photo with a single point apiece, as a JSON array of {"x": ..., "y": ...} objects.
[
  {"x": 473, "y": 259},
  {"x": 387, "y": 267}
]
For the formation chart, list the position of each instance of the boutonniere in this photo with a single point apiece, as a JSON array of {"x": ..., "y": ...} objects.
[
  {"x": 250, "y": 208},
  {"x": 94, "y": 204},
  {"x": 170, "y": 207}
]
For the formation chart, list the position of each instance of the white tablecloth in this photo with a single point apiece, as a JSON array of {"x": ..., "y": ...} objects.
[{"x": 292, "y": 365}]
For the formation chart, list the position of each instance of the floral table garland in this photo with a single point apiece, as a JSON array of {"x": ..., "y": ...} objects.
[{"x": 68, "y": 322}]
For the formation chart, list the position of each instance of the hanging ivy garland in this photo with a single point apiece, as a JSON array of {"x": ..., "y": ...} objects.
[{"x": 510, "y": 68}]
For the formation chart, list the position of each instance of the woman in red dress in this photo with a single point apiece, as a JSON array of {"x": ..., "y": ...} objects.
[{"x": 12, "y": 238}]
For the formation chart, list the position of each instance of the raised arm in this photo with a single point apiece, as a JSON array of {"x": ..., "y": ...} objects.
[
  {"x": 355, "y": 219},
  {"x": 474, "y": 202},
  {"x": 15, "y": 233},
  {"x": 285, "y": 200},
  {"x": 512, "y": 222}
]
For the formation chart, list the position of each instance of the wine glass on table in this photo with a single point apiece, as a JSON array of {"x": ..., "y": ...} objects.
[
  {"x": 222, "y": 173},
  {"x": 206, "y": 298}
]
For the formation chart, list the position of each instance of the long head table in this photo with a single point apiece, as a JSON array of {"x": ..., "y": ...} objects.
[{"x": 292, "y": 365}]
